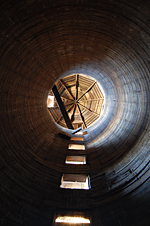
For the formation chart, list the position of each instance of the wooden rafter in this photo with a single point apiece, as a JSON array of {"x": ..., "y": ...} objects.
[
  {"x": 62, "y": 107},
  {"x": 77, "y": 84},
  {"x": 88, "y": 109},
  {"x": 66, "y": 89},
  {"x": 62, "y": 115},
  {"x": 87, "y": 90},
  {"x": 82, "y": 116},
  {"x": 72, "y": 117}
]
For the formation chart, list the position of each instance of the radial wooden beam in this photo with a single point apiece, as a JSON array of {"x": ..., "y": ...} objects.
[
  {"x": 66, "y": 89},
  {"x": 72, "y": 117},
  {"x": 87, "y": 90},
  {"x": 77, "y": 85},
  {"x": 62, "y": 115},
  {"x": 82, "y": 116},
  {"x": 88, "y": 109},
  {"x": 62, "y": 107}
]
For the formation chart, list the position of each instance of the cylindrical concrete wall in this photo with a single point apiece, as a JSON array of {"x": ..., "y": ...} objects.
[{"x": 42, "y": 41}]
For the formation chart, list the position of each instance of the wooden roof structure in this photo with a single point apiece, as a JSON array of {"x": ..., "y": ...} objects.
[{"x": 83, "y": 100}]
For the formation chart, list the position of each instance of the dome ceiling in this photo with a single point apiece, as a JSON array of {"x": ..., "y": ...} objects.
[
  {"x": 82, "y": 98},
  {"x": 42, "y": 42}
]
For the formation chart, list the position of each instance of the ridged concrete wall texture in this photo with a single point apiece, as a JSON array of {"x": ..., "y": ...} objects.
[{"x": 42, "y": 41}]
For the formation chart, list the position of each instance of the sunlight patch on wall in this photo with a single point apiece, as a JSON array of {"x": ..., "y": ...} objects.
[
  {"x": 70, "y": 219},
  {"x": 77, "y": 138},
  {"x": 75, "y": 181},
  {"x": 76, "y": 146},
  {"x": 77, "y": 160}
]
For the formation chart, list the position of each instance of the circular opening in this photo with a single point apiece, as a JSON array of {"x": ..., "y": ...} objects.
[{"x": 80, "y": 97}]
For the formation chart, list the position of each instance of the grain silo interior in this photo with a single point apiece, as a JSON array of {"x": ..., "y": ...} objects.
[{"x": 74, "y": 112}]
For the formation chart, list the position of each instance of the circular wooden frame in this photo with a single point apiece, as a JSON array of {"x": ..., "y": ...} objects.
[{"x": 83, "y": 100}]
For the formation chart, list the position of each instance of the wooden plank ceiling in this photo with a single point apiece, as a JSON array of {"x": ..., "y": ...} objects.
[{"x": 82, "y": 98}]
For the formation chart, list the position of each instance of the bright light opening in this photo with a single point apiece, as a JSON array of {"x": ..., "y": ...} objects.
[
  {"x": 81, "y": 133},
  {"x": 78, "y": 160},
  {"x": 50, "y": 101},
  {"x": 75, "y": 220},
  {"x": 76, "y": 146},
  {"x": 75, "y": 181}
]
